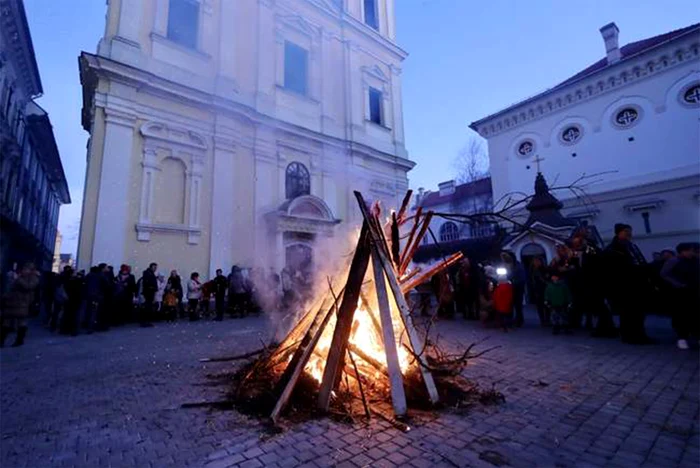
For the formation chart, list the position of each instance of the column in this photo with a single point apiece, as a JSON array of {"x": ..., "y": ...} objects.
[
  {"x": 397, "y": 109},
  {"x": 223, "y": 209},
  {"x": 111, "y": 222},
  {"x": 194, "y": 179},
  {"x": 148, "y": 174}
]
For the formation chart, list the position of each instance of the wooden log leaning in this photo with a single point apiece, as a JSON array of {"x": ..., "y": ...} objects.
[
  {"x": 414, "y": 228},
  {"x": 404, "y": 205},
  {"x": 404, "y": 310},
  {"x": 398, "y": 395},
  {"x": 299, "y": 360},
  {"x": 411, "y": 250},
  {"x": 406, "y": 286},
  {"x": 336, "y": 356}
]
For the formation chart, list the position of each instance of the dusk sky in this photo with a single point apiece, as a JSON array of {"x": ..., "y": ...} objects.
[{"x": 466, "y": 60}]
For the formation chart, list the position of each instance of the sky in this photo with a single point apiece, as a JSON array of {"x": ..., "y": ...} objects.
[{"x": 467, "y": 59}]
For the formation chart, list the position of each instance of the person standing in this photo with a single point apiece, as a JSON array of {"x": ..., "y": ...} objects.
[
  {"x": 682, "y": 274},
  {"x": 220, "y": 286},
  {"x": 194, "y": 294},
  {"x": 149, "y": 287},
  {"x": 174, "y": 286},
  {"x": 538, "y": 284},
  {"x": 125, "y": 288},
  {"x": 518, "y": 278},
  {"x": 105, "y": 310},
  {"x": 73, "y": 288},
  {"x": 238, "y": 292},
  {"x": 628, "y": 285},
  {"x": 16, "y": 304},
  {"x": 557, "y": 298},
  {"x": 94, "y": 295},
  {"x": 160, "y": 278}
]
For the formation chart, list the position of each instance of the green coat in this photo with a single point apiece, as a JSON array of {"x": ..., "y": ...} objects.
[{"x": 557, "y": 295}]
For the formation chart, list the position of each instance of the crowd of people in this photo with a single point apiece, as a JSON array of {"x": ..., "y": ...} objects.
[
  {"x": 584, "y": 286},
  {"x": 74, "y": 301}
]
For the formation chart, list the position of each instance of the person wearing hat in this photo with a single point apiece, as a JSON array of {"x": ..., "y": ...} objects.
[{"x": 627, "y": 283}]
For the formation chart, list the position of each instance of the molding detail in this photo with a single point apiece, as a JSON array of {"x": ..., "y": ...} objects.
[
  {"x": 163, "y": 132},
  {"x": 144, "y": 230}
]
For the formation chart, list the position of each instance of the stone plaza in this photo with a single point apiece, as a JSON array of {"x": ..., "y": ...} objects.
[{"x": 115, "y": 399}]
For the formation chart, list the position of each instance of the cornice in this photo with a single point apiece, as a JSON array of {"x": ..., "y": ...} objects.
[{"x": 612, "y": 78}]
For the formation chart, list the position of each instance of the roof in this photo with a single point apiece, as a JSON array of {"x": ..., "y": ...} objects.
[
  {"x": 39, "y": 125},
  {"x": 628, "y": 51},
  {"x": 544, "y": 207},
  {"x": 470, "y": 189}
]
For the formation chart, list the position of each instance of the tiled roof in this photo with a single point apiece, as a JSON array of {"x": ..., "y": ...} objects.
[
  {"x": 629, "y": 50},
  {"x": 470, "y": 189}
]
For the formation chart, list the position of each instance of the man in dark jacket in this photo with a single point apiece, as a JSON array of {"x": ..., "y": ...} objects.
[
  {"x": 95, "y": 286},
  {"x": 682, "y": 274},
  {"x": 220, "y": 286},
  {"x": 628, "y": 284},
  {"x": 149, "y": 285},
  {"x": 124, "y": 290}
]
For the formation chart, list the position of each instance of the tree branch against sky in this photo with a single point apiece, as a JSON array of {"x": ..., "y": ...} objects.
[{"x": 472, "y": 161}]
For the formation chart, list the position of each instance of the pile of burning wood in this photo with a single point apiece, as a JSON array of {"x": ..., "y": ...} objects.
[{"x": 356, "y": 349}]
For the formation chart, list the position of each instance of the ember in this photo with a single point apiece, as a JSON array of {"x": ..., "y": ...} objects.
[{"x": 358, "y": 343}]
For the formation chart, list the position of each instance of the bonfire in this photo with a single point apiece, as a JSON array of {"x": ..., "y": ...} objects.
[{"x": 356, "y": 349}]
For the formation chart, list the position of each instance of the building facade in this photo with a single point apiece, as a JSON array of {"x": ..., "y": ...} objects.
[
  {"x": 229, "y": 132},
  {"x": 632, "y": 119},
  {"x": 468, "y": 198},
  {"x": 32, "y": 182}
]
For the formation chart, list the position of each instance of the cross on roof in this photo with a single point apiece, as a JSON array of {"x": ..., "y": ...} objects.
[{"x": 537, "y": 160}]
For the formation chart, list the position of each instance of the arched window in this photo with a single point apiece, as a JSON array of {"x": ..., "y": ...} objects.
[
  {"x": 449, "y": 232},
  {"x": 297, "y": 181}
]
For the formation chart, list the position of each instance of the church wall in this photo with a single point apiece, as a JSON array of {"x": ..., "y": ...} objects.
[
  {"x": 667, "y": 136},
  {"x": 90, "y": 192}
]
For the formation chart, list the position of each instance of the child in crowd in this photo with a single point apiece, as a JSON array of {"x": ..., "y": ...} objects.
[
  {"x": 503, "y": 300},
  {"x": 557, "y": 298}
]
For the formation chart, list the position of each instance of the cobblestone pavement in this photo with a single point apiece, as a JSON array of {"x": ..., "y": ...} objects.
[{"x": 113, "y": 399}]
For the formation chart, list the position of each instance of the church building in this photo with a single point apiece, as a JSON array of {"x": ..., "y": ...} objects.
[
  {"x": 632, "y": 120},
  {"x": 234, "y": 132}
]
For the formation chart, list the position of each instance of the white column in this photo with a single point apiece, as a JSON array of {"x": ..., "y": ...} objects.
[
  {"x": 222, "y": 210},
  {"x": 150, "y": 168},
  {"x": 397, "y": 109},
  {"x": 391, "y": 19},
  {"x": 112, "y": 223},
  {"x": 130, "y": 14},
  {"x": 194, "y": 176}
]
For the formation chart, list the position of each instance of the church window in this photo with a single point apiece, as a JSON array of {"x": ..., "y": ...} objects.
[
  {"x": 449, "y": 232},
  {"x": 183, "y": 22},
  {"x": 647, "y": 223},
  {"x": 526, "y": 148},
  {"x": 371, "y": 14},
  {"x": 626, "y": 117},
  {"x": 296, "y": 68},
  {"x": 691, "y": 95},
  {"x": 571, "y": 134},
  {"x": 375, "y": 106},
  {"x": 297, "y": 181}
]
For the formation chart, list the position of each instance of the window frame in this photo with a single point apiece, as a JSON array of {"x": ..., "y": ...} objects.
[
  {"x": 380, "y": 105},
  {"x": 450, "y": 236},
  {"x": 375, "y": 13},
  {"x": 171, "y": 31},
  {"x": 292, "y": 187}
]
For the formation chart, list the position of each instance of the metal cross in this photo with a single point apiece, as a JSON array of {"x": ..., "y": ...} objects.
[{"x": 537, "y": 161}]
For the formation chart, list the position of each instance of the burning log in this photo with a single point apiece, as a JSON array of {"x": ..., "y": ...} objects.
[
  {"x": 334, "y": 362},
  {"x": 432, "y": 271},
  {"x": 413, "y": 273},
  {"x": 412, "y": 233},
  {"x": 404, "y": 206},
  {"x": 400, "y": 300}
]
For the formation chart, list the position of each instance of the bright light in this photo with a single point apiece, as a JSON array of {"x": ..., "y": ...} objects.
[{"x": 501, "y": 271}]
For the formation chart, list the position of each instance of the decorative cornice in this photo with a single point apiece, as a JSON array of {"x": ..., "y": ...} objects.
[
  {"x": 180, "y": 136},
  {"x": 610, "y": 79}
]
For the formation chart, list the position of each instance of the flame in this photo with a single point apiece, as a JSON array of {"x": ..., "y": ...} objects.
[{"x": 365, "y": 337}]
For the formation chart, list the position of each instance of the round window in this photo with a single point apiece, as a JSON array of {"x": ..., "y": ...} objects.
[
  {"x": 526, "y": 148},
  {"x": 626, "y": 117},
  {"x": 571, "y": 134},
  {"x": 691, "y": 95}
]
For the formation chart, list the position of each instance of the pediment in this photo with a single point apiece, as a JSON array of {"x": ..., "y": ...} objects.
[
  {"x": 164, "y": 132},
  {"x": 376, "y": 72},
  {"x": 299, "y": 23}
]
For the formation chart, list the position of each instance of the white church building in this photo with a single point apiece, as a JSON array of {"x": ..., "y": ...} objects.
[
  {"x": 234, "y": 132},
  {"x": 633, "y": 117}
]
